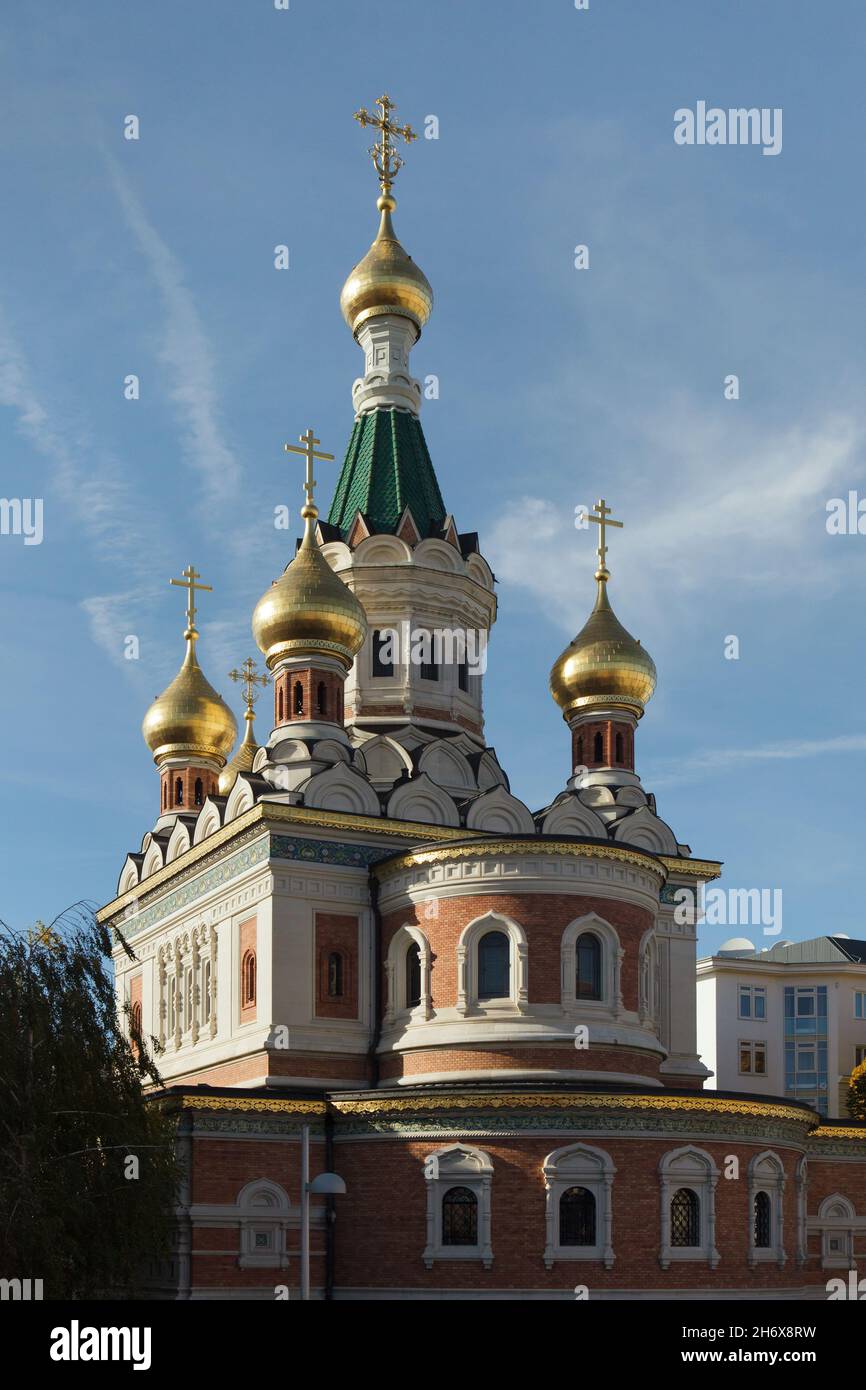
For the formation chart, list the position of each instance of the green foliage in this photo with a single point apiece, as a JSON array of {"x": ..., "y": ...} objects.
[
  {"x": 72, "y": 1110},
  {"x": 857, "y": 1093}
]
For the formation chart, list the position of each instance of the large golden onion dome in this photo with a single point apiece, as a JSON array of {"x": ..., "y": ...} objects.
[
  {"x": 189, "y": 718},
  {"x": 309, "y": 610},
  {"x": 604, "y": 665},
  {"x": 387, "y": 280}
]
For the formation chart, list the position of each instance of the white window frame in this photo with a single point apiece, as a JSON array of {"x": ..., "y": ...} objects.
[
  {"x": 694, "y": 1168},
  {"x": 861, "y": 995},
  {"x": 395, "y": 976},
  {"x": 458, "y": 1165},
  {"x": 579, "y": 1165},
  {"x": 263, "y": 1209},
  {"x": 837, "y": 1220},
  {"x": 467, "y": 967},
  {"x": 754, "y": 992},
  {"x": 752, "y": 1044},
  {"x": 767, "y": 1174},
  {"x": 610, "y": 1004}
]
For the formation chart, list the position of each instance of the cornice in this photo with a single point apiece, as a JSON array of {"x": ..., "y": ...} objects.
[
  {"x": 570, "y": 1101},
  {"x": 692, "y": 868},
  {"x": 277, "y": 1103},
  {"x": 528, "y": 847}
]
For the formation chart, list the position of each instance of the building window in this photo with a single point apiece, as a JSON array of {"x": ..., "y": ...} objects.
[
  {"x": 199, "y": 792},
  {"x": 205, "y": 992},
  {"x": 335, "y": 975},
  {"x": 248, "y": 980},
  {"x": 459, "y": 1217},
  {"x": 463, "y": 675},
  {"x": 298, "y": 699},
  {"x": 280, "y": 705},
  {"x": 860, "y": 1003},
  {"x": 766, "y": 1189},
  {"x": 135, "y": 1027},
  {"x": 753, "y": 1059},
  {"x": 580, "y": 751},
  {"x": 806, "y": 1045},
  {"x": 383, "y": 652},
  {"x": 762, "y": 1221},
  {"x": 859, "y": 1056},
  {"x": 587, "y": 959},
  {"x": 685, "y": 1218},
  {"x": 429, "y": 671},
  {"x": 458, "y": 1181},
  {"x": 178, "y": 792},
  {"x": 578, "y": 1180},
  {"x": 164, "y": 795},
  {"x": 413, "y": 976},
  {"x": 598, "y": 749},
  {"x": 752, "y": 1001},
  {"x": 837, "y": 1222},
  {"x": 190, "y": 1000},
  {"x": 320, "y": 698},
  {"x": 494, "y": 966},
  {"x": 172, "y": 1004},
  {"x": 577, "y": 1217},
  {"x": 619, "y": 748},
  {"x": 263, "y": 1216}
]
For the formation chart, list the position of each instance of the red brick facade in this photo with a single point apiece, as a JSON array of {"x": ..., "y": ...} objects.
[
  {"x": 603, "y": 743},
  {"x": 336, "y": 948},
  {"x": 308, "y": 694},
  {"x": 186, "y": 788}
]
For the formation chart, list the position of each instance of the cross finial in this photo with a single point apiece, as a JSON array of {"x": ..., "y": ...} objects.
[
  {"x": 386, "y": 160},
  {"x": 602, "y": 519},
  {"x": 307, "y": 447},
  {"x": 190, "y": 575},
  {"x": 247, "y": 674}
]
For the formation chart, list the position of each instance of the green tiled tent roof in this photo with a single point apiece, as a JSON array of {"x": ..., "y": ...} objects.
[{"x": 387, "y": 468}]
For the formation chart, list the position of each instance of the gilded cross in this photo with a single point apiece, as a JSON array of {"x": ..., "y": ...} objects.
[
  {"x": 190, "y": 575},
  {"x": 602, "y": 519},
  {"x": 40, "y": 935},
  {"x": 307, "y": 447},
  {"x": 247, "y": 674},
  {"x": 385, "y": 158}
]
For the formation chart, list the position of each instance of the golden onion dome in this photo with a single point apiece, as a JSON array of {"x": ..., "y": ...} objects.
[
  {"x": 604, "y": 665},
  {"x": 243, "y": 759},
  {"x": 189, "y": 718},
  {"x": 387, "y": 280},
  {"x": 309, "y": 609}
]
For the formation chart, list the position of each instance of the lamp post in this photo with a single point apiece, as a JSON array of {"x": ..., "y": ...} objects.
[{"x": 323, "y": 1185}]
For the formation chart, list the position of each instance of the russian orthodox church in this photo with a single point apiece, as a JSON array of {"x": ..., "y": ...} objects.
[{"x": 482, "y": 1013}]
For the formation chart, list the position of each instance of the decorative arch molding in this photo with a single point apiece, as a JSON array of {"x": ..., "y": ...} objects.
[
  {"x": 767, "y": 1177},
  {"x": 467, "y": 966},
  {"x": 579, "y": 1165},
  {"x": 179, "y": 842},
  {"x": 241, "y": 798},
  {"x": 395, "y": 975},
  {"x": 209, "y": 821},
  {"x": 488, "y": 773},
  {"x": 478, "y": 569},
  {"x": 571, "y": 817},
  {"x": 128, "y": 874},
  {"x": 341, "y": 788},
  {"x": 337, "y": 554},
  {"x": 435, "y": 554},
  {"x": 381, "y": 550},
  {"x": 611, "y": 1003},
  {"x": 837, "y": 1222},
  {"x": 458, "y": 1165},
  {"x": 500, "y": 813},
  {"x": 383, "y": 760},
  {"x": 421, "y": 800},
  {"x": 264, "y": 1216},
  {"x": 648, "y": 977},
  {"x": 692, "y": 1168},
  {"x": 153, "y": 860},
  {"x": 646, "y": 831},
  {"x": 448, "y": 767}
]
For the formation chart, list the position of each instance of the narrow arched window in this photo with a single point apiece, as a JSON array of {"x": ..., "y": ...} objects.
[
  {"x": 172, "y": 1004},
  {"x": 685, "y": 1218},
  {"x": 178, "y": 792},
  {"x": 164, "y": 795},
  {"x": 320, "y": 698},
  {"x": 598, "y": 749},
  {"x": 619, "y": 748},
  {"x": 587, "y": 961},
  {"x": 340, "y": 705},
  {"x": 248, "y": 979},
  {"x": 580, "y": 751},
  {"x": 190, "y": 999},
  {"x": 299, "y": 698},
  {"x": 762, "y": 1220},
  {"x": 494, "y": 966},
  {"x": 577, "y": 1217},
  {"x": 199, "y": 791},
  {"x": 205, "y": 992},
  {"x": 413, "y": 976},
  {"x": 135, "y": 1020},
  {"x": 459, "y": 1217},
  {"x": 280, "y": 705},
  {"x": 335, "y": 975}
]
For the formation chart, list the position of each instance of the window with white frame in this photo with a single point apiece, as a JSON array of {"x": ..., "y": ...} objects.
[
  {"x": 458, "y": 1180},
  {"x": 578, "y": 1182},
  {"x": 752, "y": 1002},
  {"x": 492, "y": 966},
  {"x": 859, "y": 1055},
  {"x": 687, "y": 1180},
  {"x": 837, "y": 1221},
  {"x": 264, "y": 1214},
  {"x": 590, "y": 960},
  {"x": 752, "y": 1058},
  {"x": 408, "y": 979},
  {"x": 860, "y": 1003},
  {"x": 766, "y": 1209}
]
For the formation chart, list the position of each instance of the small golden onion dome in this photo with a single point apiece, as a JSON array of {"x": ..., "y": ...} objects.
[
  {"x": 604, "y": 665},
  {"x": 309, "y": 609},
  {"x": 387, "y": 280},
  {"x": 243, "y": 759},
  {"x": 189, "y": 718}
]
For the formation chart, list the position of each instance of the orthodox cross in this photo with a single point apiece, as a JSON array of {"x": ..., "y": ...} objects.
[
  {"x": 307, "y": 447},
  {"x": 40, "y": 935},
  {"x": 190, "y": 575},
  {"x": 247, "y": 674},
  {"x": 386, "y": 160},
  {"x": 602, "y": 518}
]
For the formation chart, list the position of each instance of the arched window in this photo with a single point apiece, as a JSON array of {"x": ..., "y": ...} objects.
[
  {"x": 413, "y": 976},
  {"x": 494, "y": 966},
  {"x": 299, "y": 698},
  {"x": 619, "y": 748},
  {"x": 340, "y": 705},
  {"x": 135, "y": 1020},
  {"x": 762, "y": 1221},
  {"x": 199, "y": 792},
  {"x": 587, "y": 960},
  {"x": 205, "y": 992},
  {"x": 172, "y": 1004},
  {"x": 577, "y": 1217},
  {"x": 248, "y": 979},
  {"x": 335, "y": 975},
  {"x": 164, "y": 795},
  {"x": 178, "y": 792},
  {"x": 580, "y": 751},
  {"x": 459, "y": 1217},
  {"x": 320, "y": 698},
  {"x": 280, "y": 705},
  {"x": 598, "y": 749},
  {"x": 685, "y": 1218},
  {"x": 190, "y": 999}
]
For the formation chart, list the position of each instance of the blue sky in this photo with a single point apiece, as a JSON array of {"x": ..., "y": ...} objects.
[{"x": 155, "y": 257}]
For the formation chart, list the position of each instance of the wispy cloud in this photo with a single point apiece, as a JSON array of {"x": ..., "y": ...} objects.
[
  {"x": 185, "y": 352},
  {"x": 693, "y": 768}
]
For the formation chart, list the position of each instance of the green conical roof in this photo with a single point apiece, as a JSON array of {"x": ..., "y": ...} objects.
[{"x": 387, "y": 468}]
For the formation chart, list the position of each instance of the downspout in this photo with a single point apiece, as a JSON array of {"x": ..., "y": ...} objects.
[{"x": 376, "y": 991}]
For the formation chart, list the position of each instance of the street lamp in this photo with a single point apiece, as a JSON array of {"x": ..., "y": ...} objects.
[{"x": 323, "y": 1185}]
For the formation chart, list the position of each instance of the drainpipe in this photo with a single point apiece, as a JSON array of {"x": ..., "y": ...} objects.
[{"x": 376, "y": 992}]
